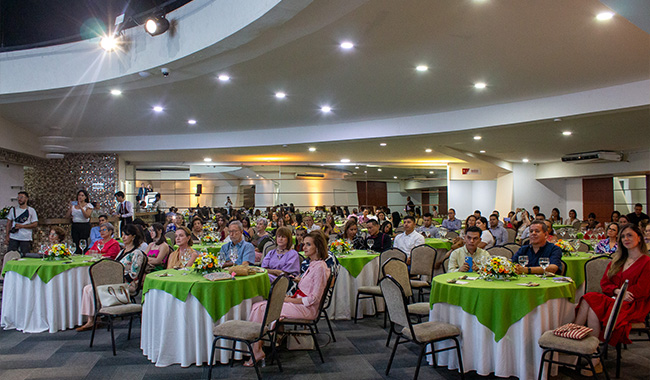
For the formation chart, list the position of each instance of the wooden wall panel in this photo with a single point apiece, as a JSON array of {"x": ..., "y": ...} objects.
[
  {"x": 598, "y": 197},
  {"x": 372, "y": 193}
]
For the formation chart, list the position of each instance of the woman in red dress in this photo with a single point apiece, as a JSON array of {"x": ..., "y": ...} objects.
[{"x": 629, "y": 262}]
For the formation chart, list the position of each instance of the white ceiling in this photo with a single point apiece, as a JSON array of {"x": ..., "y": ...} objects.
[{"x": 523, "y": 50}]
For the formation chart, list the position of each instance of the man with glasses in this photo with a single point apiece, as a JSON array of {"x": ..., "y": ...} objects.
[
  {"x": 237, "y": 246},
  {"x": 21, "y": 221},
  {"x": 94, "y": 232}
]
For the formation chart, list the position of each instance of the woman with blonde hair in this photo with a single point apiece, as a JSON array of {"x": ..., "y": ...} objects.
[{"x": 184, "y": 256}]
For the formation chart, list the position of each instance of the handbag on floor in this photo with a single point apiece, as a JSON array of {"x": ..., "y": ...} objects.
[
  {"x": 113, "y": 295},
  {"x": 299, "y": 341}
]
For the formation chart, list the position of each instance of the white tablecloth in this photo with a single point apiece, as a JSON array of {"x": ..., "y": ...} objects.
[
  {"x": 177, "y": 332},
  {"x": 33, "y": 306},
  {"x": 345, "y": 292},
  {"x": 516, "y": 354}
]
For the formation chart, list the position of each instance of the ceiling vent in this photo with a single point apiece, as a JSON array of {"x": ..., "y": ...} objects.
[
  {"x": 593, "y": 157},
  {"x": 309, "y": 175},
  {"x": 54, "y": 156}
]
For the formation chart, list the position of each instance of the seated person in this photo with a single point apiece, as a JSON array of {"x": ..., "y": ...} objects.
[
  {"x": 301, "y": 232},
  {"x": 427, "y": 228},
  {"x": 197, "y": 230},
  {"x": 94, "y": 232},
  {"x": 185, "y": 255},
  {"x": 537, "y": 248},
  {"x": 380, "y": 241},
  {"x": 107, "y": 246},
  {"x": 260, "y": 238},
  {"x": 56, "y": 236},
  {"x": 158, "y": 250},
  {"x": 351, "y": 235},
  {"x": 282, "y": 259},
  {"x": 458, "y": 261},
  {"x": 408, "y": 239},
  {"x": 245, "y": 251},
  {"x": 451, "y": 223},
  {"x": 487, "y": 239}
]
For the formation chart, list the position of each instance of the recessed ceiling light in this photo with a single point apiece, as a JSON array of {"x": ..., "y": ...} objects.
[
  {"x": 345, "y": 160},
  {"x": 207, "y": 159},
  {"x": 378, "y": 170},
  {"x": 477, "y": 137},
  {"x": 431, "y": 172},
  {"x": 482, "y": 151},
  {"x": 354, "y": 173},
  {"x": 567, "y": 133},
  {"x": 382, "y": 144},
  {"x": 158, "y": 109},
  {"x": 224, "y": 78},
  {"x": 604, "y": 16},
  {"x": 428, "y": 150},
  {"x": 395, "y": 176},
  {"x": 347, "y": 45},
  {"x": 280, "y": 95},
  {"x": 326, "y": 109},
  {"x": 116, "y": 92},
  {"x": 312, "y": 149},
  {"x": 191, "y": 122},
  {"x": 365, "y": 172},
  {"x": 525, "y": 160},
  {"x": 480, "y": 85},
  {"x": 356, "y": 167},
  {"x": 422, "y": 68}
]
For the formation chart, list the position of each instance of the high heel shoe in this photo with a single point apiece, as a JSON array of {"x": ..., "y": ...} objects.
[{"x": 261, "y": 362}]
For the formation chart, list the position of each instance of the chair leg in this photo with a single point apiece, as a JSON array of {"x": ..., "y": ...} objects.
[
  {"x": 460, "y": 359},
  {"x": 313, "y": 336},
  {"x": 385, "y": 318},
  {"x": 541, "y": 365},
  {"x": 390, "y": 333},
  {"x": 274, "y": 351},
  {"x": 356, "y": 309},
  {"x": 92, "y": 335},
  {"x": 417, "y": 367},
  {"x": 232, "y": 356},
  {"x": 110, "y": 325},
  {"x": 618, "y": 360},
  {"x": 392, "y": 355},
  {"x": 211, "y": 358},
  {"x": 128, "y": 337},
  {"x": 257, "y": 368},
  {"x": 327, "y": 319}
]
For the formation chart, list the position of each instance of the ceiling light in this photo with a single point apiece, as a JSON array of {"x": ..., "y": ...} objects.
[
  {"x": 158, "y": 109},
  {"x": 567, "y": 133},
  {"x": 191, "y": 122},
  {"x": 156, "y": 25},
  {"x": 482, "y": 151},
  {"x": 557, "y": 119},
  {"x": 116, "y": 92},
  {"x": 525, "y": 160},
  {"x": 312, "y": 149},
  {"x": 345, "y": 160},
  {"x": 422, "y": 68},
  {"x": 108, "y": 43},
  {"x": 480, "y": 85},
  {"x": 378, "y": 170},
  {"x": 224, "y": 78},
  {"x": 347, "y": 45},
  {"x": 280, "y": 95},
  {"x": 431, "y": 172},
  {"x": 395, "y": 176},
  {"x": 428, "y": 150},
  {"x": 604, "y": 16},
  {"x": 326, "y": 109},
  {"x": 477, "y": 137},
  {"x": 356, "y": 167},
  {"x": 382, "y": 144},
  {"x": 207, "y": 159}
]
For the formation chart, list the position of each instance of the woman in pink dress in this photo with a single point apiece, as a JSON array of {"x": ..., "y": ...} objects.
[
  {"x": 629, "y": 262},
  {"x": 304, "y": 304}
]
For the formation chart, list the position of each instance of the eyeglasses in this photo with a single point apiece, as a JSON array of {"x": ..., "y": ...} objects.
[{"x": 103, "y": 230}]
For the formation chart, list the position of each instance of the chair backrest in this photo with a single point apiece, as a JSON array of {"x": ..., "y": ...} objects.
[
  {"x": 324, "y": 298},
  {"x": 388, "y": 254},
  {"x": 445, "y": 262},
  {"x": 395, "y": 301},
  {"x": 525, "y": 241},
  {"x": 423, "y": 257},
  {"x": 584, "y": 247},
  {"x": 451, "y": 235},
  {"x": 399, "y": 271},
  {"x": 268, "y": 247},
  {"x": 278, "y": 290},
  {"x": 105, "y": 272},
  {"x": 577, "y": 224},
  {"x": 613, "y": 316},
  {"x": 330, "y": 292},
  {"x": 333, "y": 237},
  {"x": 512, "y": 235},
  {"x": 562, "y": 269},
  {"x": 399, "y": 230},
  {"x": 594, "y": 271},
  {"x": 11, "y": 255},
  {"x": 171, "y": 235},
  {"x": 500, "y": 251},
  {"x": 514, "y": 247},
  {"x": 141, "y": 273}
]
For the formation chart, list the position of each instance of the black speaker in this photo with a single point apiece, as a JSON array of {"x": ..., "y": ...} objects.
[{"x": 199, "y": 188}]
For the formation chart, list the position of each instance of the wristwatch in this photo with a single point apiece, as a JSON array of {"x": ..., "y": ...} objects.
[{"x": 528, "y": 270}]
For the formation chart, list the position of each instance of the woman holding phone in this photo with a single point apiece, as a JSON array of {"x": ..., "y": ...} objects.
[{"x": 80, "y": 211}]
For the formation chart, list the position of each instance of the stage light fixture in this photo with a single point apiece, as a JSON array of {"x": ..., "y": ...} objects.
[{"x": 156, "y": 25}]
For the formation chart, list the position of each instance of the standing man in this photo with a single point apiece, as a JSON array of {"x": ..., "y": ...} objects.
[
  {"x": 142, "y": 192},
  {"x": 451, "y": 223},
  {"x": 20, "y": 223},
  {"x": 124, "y": 210},
  {"x": 410, "y": 206},
  {"x": 537, "y": 248},
  {"x": 500, "y": 234},
  {"x": 381, "y": 241},
  {"x": 408, "y": 239},
  {"x": 428, "y": 228},
  {"x": 638, "y": 215}
]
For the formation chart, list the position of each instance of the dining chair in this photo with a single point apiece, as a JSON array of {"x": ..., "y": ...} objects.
[
  {"x": 328, "y": 302},
  {"x": 107, "y": 272},
  {"x": 451, "y": 234},
  {"x": 311, "y": 324},
  {"x": 249, "y": 332},
  {"x": 500, "y": 251},
  {"x": 372, "y": 291},
  {"x": 512, "y": 235},
  {"x": 561, "y": 271},
  {"x": 171, "y": 235},
  {"x": 594, "y": 270},
  {"x": 588, "y": 348},
  {"x": 514, "y": 247},
  {"x": 583, "y": 247},
  {"x": 421, "y": 334},
  {"x": 423, "y": 259},
  {"x": 11, "y": 255},
  {"x": 445, "y": 263},
  {"x": 577, "y": 224}
]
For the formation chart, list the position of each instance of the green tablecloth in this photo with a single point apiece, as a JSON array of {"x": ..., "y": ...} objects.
[
  {"x": 46, "y": 270},
  {"x": 498, "y": 304},
  {"x": 437, "y": 220},
  {"x": 575, "y": 266},
  {"x": 557, "y": 226},
  {"x": 218, "y": 297},
  {"x": 212, "y": 248},
  {"x": 355, "y": 261},
  {"x": 438, "y": 243}
]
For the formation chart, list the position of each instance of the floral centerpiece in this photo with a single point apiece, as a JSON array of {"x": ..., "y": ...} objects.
[
  {"x": 57, "y": 252},
  {"x": 498, "y": 267},
  {"x": 567, "y": 248},
  {"x": 209, "y": 239},
  {"x": 206, "y": 263},
  {"x": 4, "y": 212},
  {"x": 339, "y": 247}
]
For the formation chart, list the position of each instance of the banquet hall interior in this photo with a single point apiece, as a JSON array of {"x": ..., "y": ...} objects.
[{"x": 465, "y": 104}]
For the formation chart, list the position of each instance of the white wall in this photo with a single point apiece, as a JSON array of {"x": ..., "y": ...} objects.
[
  {"x": 467, "y": 196},
  {"x": 18, "y": 139},
  {"x": 10, "y": 175},
  {"x": 573, "y": 198}
]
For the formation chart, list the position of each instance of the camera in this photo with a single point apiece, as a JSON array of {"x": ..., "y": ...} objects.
[
  {"x": 13, "y": 230},
  {"x": 165, "y": 72}
]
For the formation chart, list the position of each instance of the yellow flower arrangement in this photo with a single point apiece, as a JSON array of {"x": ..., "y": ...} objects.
[
  {"x": 566, "y": 247},
  {"x": 339, "y": 247},
  {"x": 498, "y": 267},
  {"x": 206, "y": 262},
  {"x": 57, "y": 252}
]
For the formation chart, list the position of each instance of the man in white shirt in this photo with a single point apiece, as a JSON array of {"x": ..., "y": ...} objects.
[
  {"x": 458, "y": 261},
  {"x": 309, "y": 224},
  {"x": 409, "y": 239},
  {"x": 21, "y": 220}
]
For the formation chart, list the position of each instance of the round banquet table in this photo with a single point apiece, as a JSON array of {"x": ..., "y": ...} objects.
[
  {"x": 442, "y": 246},
  {"x": 358, "y": 268},
  {"x": 180, "y": 310},
  {"x": 42, "y": 295},
  {"x": 500, "y": 321}
]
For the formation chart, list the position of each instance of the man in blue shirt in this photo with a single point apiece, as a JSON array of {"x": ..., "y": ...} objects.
[
  {"x": 451, "y": 223},
  {"x": 537, "y": 248},
  {"x": 94, "y": 232},
  {"x": 245, "y": 250},
  {"x": 500, "y": 234}
]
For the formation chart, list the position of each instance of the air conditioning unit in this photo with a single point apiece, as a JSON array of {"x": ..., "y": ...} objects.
[
  {"x": 595, "y": 156},
  {"x": 309, "y": 175}
]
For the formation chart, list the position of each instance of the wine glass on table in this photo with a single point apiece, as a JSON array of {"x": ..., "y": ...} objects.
[
  {"x": 370, "y": 243},
  {"x": 82, "y": 246},
  {"x": 73, "y": 248},
  {"x": 234, "y": 254},
  {"x": 544, "y": 262},
  {"x": 523, "y": 261}
]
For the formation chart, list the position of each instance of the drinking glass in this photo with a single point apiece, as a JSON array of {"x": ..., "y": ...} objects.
[
  {"x": 234, "y": 254},
  {"x": 82, "y": 245},
  {"x": 443, "y": 232},
  {"x": 73, "y": 248},
  {"x": 523, "y": 261},
  {"x": 370, "y": 242},
  {"x": 544, "y": 262},
  {"x": 100, "y": 247}
]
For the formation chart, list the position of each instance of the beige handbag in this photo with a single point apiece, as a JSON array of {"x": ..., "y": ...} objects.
[{"x": 113, "y": 295}]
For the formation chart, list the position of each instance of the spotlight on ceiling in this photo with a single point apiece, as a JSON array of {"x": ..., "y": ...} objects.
[
  {"x": 108, "y": 43},
  {"x": 156, "y": 25}
]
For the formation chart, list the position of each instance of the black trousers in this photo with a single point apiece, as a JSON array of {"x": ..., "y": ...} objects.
[
  {"x": 21, "y": 246},
  {"x": 80, "y": 231},
  {"x": 123, "y": 224}
]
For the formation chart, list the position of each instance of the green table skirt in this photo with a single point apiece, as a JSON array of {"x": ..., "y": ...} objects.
[
  {"x": 355, "y": 261},
  {"x": 46, "y": 270},
  {"x": 438, "y": 243},
  {"x": 218, "y": 297},
  {"x": 575, "y": 266},
  {"x": 498, "y": 304}
]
